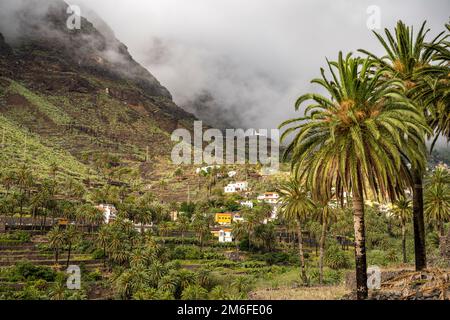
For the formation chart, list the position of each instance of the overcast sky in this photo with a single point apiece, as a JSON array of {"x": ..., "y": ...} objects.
[{"x": 254, "y": 56}]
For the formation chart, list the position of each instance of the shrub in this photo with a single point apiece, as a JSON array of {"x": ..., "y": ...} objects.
[
  {"x": 28, "y": 271},
  {"x": 95, "y": 275},
  {"x": 187, "y": 253},
  {"x": 98, "y": 254},
  {"x": 253, "y": 264},
  {"x": 194, "y": 292},
  {"x": 377, "y": 257},
  {"x": 16, "y": 237},
  {"x": 336, "y": 258},
  {"x": 277, "y": 258},
  {"x": 222, "y": 263}
]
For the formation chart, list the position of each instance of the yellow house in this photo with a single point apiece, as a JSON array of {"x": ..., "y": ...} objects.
[{"x": 224, "y": 218}]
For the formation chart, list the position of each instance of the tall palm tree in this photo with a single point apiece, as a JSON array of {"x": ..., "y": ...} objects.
[
  {"x": 437, "y": 203},
  {"x": 201, "y": 223},
  {"x": 102, "y": 240},
  {"x": 71, "y": 235},
  {"x": 183, "y": 223},
  {"x": 434, "y": 88},
  {"x": 239, "y": 232},
  {"x": 402, "y": 211},
  {"x": 24, "y": 182},
  {"x": 56, "y": 241},
  {"x": 361, "y": 137},
  {"x": 295, "y": 206},
  {"x": 407, "y": 55}
]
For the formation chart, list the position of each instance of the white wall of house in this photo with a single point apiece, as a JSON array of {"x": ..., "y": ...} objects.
[
  {"x": 109, "y": 212},
  {"x": 248, "y": 204},
  {"x": 230, "y": 188},
  {"x": 225, "y": 236}
]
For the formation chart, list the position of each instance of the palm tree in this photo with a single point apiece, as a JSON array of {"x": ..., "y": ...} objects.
[
  {"x": 437, "y": 205},
  {"x": 295, "y": 206},
  {"x": 434, "y": 89},
  {"x": 102, "y": 240},
  {"x": 361, "y": 138},
  {"x": 218, "y": 293},
  {"x": 239, "y": 231},
  {"x": 143, "y": 216},
  {"x": 407, "y": 57},
  {"x": 242, "y": 284},
  {"x": 71, "y": 235},
  {"x": 201, "y": 223},
  {"x": 402, "y": 211},
  {"x": 183, "y": 223},
  {"x": 91, "y": 215},
  {"x": 253, "y": 218},
  {"x": 194, "y": 292},
  {"x": 24, "y": 182},
  {"x": 56, "y": 241},
  {"x": 58, "y": 290}
]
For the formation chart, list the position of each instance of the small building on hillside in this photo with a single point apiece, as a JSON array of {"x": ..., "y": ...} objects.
[
  {"x": 109, "y": 212},
  {"x": 222, "y": 234},
  {"x": 269, "y": 197},
  {"x": 237, "y": 217},
  {"x": 248, "y": 204},
  {"x": 231, "y": 188},
  {"x": 225, "y": 218},
  {"x": 225, "y": 235},
  {"x": 174, "y": 215},
  {"x": 236, "y": 187},
  {"x": 232, "y": 174},
  {"x": 206, "y": 169}
]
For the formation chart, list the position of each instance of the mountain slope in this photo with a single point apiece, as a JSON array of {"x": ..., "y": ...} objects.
[{"x": 78, "y": 95}]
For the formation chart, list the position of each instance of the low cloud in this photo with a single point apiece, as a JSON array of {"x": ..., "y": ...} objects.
[{"x": 247, "y": 61}]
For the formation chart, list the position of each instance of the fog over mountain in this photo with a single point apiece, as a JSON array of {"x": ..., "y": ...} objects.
[{"x": 243, "y": 63}]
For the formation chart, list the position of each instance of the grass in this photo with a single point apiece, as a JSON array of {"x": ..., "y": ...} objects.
[
  {"x": 55, "y": 114},
  {"x": 304, "y": 293},
  {"x": 23, "y": 148}
]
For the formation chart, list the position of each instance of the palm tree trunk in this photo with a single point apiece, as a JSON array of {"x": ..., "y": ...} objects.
[
  {"x": 68, "y": 255},
  {"x": 322, "y": 249},
  {"x": 360, "y": 243},
  {"x": 418, "y": 219},
  {"x": 301, "y": 253},
  {"x": 405, "y": 260}
]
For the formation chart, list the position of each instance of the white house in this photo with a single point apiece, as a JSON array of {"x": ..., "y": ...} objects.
[
  {"x": 206, "y": 169},
  {"x": 248, "y": 204},
  {"x": 242, "y": 185},
  {"x": 231, "y": 188},
  {"x": 237, "y": 218},
  {"x": 109, "y": 212},
  {"x": 225, "y": 236},
  {"x": 269, "y": 197},
  {"x": 235, "y": 187},
  {"x": 232, "y": 174}
]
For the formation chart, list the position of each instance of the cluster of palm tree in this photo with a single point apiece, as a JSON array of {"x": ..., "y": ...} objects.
[
  {"x": 367, "y": 136},
  {"x": 59, "y": 238},
  {"x": 298, "y": 207},
  {"x": 254, "y": 227}
]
